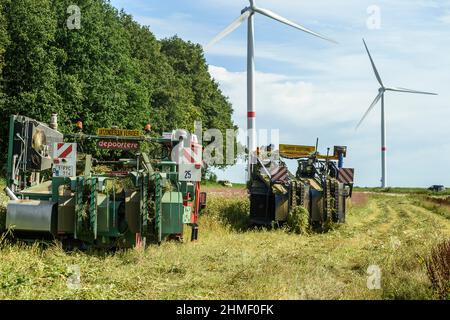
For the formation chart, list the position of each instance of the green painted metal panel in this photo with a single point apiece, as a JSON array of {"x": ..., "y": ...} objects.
[
  {"x": 172, "y": 213},
  {"x": 102, "y": 214},
  {"x": 107, "y": 212},
  {"x": 93, "y": 206},
  {"x": 78, "y": 206},
  {"x": 172, "y": 197},
  {"x": 158, "y": 212}
]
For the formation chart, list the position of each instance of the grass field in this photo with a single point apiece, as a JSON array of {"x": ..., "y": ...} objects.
[{"x": 394, "y": 233}]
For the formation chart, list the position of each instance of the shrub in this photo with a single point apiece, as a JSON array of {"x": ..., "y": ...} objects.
[
  {"x": 438, "y": 269},
  {"x": 232, "y": 212},
  {"x": 298, "y": 220}
]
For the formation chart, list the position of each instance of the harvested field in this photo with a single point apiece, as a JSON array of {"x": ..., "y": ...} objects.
[{"x": 229, "y": 261}]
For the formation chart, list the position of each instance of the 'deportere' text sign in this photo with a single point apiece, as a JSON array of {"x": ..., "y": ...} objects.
[{"x": 120, "y": 145}]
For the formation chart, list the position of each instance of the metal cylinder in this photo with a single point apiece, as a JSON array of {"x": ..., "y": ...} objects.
[
  {"x": 54, "y": 121},
  {"x": 32, "y": 216},
  {"x": 10, "y": 194}
]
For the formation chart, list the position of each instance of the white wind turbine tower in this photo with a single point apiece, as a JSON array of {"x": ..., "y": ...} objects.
[
  {"x": 248, "y": 14},
  {"x": 380, "y": 95}
]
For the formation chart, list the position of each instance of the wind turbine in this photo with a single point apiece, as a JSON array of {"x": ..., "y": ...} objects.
[
  {"x": 379, "y": 97},
  {"x": 248, "y": 14}
]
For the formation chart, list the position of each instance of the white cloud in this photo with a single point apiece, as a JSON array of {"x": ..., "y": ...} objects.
[
  {"x": 445, "y": 19},
  {"x": 289, "y": 100}
]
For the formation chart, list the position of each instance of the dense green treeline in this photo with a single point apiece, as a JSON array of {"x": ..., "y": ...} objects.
[{"x": 107, "y": 70}]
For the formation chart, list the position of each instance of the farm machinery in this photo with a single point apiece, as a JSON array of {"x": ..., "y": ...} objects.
[
  {"x": 321, "y": 185},
  {"x": 58, "y": 192}
]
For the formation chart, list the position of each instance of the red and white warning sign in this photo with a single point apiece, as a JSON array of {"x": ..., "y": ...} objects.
[
  {"x": 64, "y": 159},
  {"x": 190, "y": 164},
  {"x": 346, "y": 175},
  {"x": 279, "y": 174},
  {"x": 192, "y": 155}
]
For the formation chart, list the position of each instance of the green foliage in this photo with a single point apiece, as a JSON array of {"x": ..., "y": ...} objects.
[
  {"x": 30, "y": 72},
  {"x": 190, "y": 66},
  {"x": 298, "y": 220},
  {"x": 231, "y": 212},
  {"x": 4, "y": 41},
  {"x": 111, "y": 71},
  {"x": 439, "y": 206},
  {"x": 210, "y": 176},
  {"x": 203, "y": 99}
]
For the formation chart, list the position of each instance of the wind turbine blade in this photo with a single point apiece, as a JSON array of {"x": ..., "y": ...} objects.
[
  {"x": 410, "y": 91},
  {"x": 373, "y": 65},
  {"x": 233, "y": 26},
  {"x": 279, "y": 18},
  {"x": 374, "y": 103}
]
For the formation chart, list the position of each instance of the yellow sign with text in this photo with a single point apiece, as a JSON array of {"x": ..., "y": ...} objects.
[
  {"x": 112, "y": 132},
  {"x": 295, "y": 151}
]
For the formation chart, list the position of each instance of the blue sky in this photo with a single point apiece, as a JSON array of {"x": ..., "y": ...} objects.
[{"x": 308, "y": 88}]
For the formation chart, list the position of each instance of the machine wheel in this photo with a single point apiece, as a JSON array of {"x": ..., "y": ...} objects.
[{"x": 194, "y": 233}]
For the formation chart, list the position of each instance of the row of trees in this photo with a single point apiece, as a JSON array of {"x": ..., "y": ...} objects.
[{"x": 100, "y": 66}]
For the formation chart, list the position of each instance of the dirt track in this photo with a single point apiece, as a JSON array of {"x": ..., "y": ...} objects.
[
  {"x": 358, "y": 198},
  {"x": 221, "y": 191}
]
